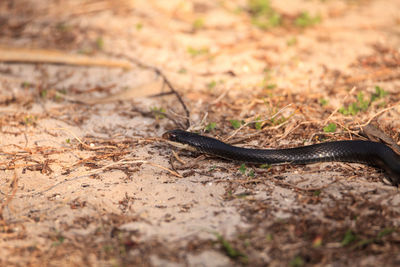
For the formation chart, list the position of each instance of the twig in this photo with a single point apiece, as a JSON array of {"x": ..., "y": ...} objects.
[
  {"x": 8, "y": 54},
  {"x": 250, "y": 122},
  {"x": 379, "y": 113},
  {"x": 199, "y": 126},
  {"x": 178, "y": 158},
  {"x": 336, "y": 110},
  {"x": 81, "y": 142},
  {"x": 165, "y": 80},
  {"x": 221, "y": 96},
  {"x": 14, "y": 185}
]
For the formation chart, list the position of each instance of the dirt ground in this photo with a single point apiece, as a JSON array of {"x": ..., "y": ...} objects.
[{"x": 86, "y": 179}]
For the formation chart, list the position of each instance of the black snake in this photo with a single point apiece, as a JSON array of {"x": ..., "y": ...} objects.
[{"x": 366, "y": 152}]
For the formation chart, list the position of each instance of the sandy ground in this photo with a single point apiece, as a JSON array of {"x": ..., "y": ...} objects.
[{"x": 86, "y": 180}]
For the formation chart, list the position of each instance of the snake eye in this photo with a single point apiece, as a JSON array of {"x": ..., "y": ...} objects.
[
  {"x": 166, "y": 135},
  {"x": 170, "y": 135}
]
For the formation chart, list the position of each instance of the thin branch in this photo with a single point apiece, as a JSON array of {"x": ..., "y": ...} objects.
[
  {"x": 379, "y": 113},
  {"x": 336, "y": 110},
  {"x": 14, "y": 185},
  {"x": 165, "y": 80}
]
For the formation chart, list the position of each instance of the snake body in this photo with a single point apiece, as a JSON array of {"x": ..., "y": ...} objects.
[{"x": 357, "y": 151}]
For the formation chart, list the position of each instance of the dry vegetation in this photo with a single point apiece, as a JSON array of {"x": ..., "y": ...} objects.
[{"x": 86, "y": 180}]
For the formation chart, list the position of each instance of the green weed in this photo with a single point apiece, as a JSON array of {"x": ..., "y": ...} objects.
[
  {"x": 317, "y": 192},
  {"x": 330, "y": 128},
  {"x": 297, "y": 262},
  {"x": 197, "y": 51},
  {"x": 265, "y": 166},
  {"x": 270, "y": 86},
  {"x": 236, "y": 123},
  {"x": 30, "y": 120},
  {"x": 211, "y": 126},
  {"x": 362, "y": 104},
  {"x": 60, "y": 239},
  {"x": 379, "y": 93},
  {"x": 211, "y": 84},
  {"x": 139, "y": 26},
  {"x": 159, "y": 113},
  {"x": 198, "y": 24},
  {"x": 246, "y": 171},
  {"x": 381, "y": 234},
  {"x": 323, "y": 102},
  {"x": 269, "y": 237},
  {"x": 43, "y": 93},
  {"x": 258, "y": 123},
  {"x": 306, "y": 20},
  {"x": 292, "y": 41},
  {"x": 243, "y": 169},
  {"x": 263, "y": 15},
  {"x": 348, "y": 238},
  {"x": 230, "y": 251},
  {"x": 100, "y": 43},
  {"x": 182, "y": 71}
]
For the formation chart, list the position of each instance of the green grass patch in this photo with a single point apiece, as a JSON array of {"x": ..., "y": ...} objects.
[
  {"x": 379, "y": 93},
  {"x": 139, "y": 26},
  {"x": 242, "y": 195},
  {"x": 251, "y": 173},
  {"x": 63, "y": 27},
  {"x": 194, "y": 52},
  {"x": 297, "y": 262},
  {"x": 100, "y": 43},
  {"x": 258, "y": 123},
  {"x": 291, "y": 41},
  {"x": 246, "y": 171},
  {"x": 30, "y": 120},
  {"x": 243, "y": 169},
  {"x": 306, "y": 20},
  {"x": 210, "y": 127},
  {"x": 323, "y": 102},
  {"x": 362, "y": 103},
  {"x": 265, "y": 166},
  {"x": 269, "y": 237},
  {"x": 316, "y": 193},
  {"x": 237, "y": 123},
  {"x": 43, "y": 93},
  {"x": 158, "y": 112},
  {"x": 60, "y": 239},
  {"x": 198, "y": 24},
  {"x": 182, "y": 71},
  {"x": 348, "y": 238},
  {"x": 270, "y": 86},
  {"x": 26, "y": 85},
  {"x": 278, "y": 120},
  {"x": 211, "y": 84},
  {"x": 385, "y": 232},
  {"x": 263, "y": 15},
  {"x": 330, "y": 128},
  {"x": 379, "y": 236},
  {"x": 230, "y": 251}
]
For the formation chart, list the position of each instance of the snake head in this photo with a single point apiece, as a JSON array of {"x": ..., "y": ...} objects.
[
  {"x": 179, "y": 138},
  {"x": 171, "y": 135}
]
